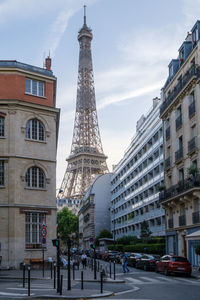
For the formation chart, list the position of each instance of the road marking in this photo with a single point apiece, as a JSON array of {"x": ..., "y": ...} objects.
[
  {"x": 133, "y": 280},
  {"x": 164, "y": 278},
  {"x": 127, "y": 291},
  {"x": 152, "y": 280},
  {"x": 186, "y": 280}
]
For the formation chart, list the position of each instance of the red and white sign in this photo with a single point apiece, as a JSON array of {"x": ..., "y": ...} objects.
[{"x": 43, "y": 231}]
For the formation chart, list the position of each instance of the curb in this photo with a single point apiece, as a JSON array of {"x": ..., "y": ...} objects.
[{"x": 56, "y": 297}]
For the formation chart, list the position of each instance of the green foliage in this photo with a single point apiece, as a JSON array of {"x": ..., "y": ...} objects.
[
  {"x": 67, "y": 223},
  {"x": 192, "y": 170},
  {"x": 197, "y": 249},
  {"x": 161, "y": 187},
  {"x": 141, "y": 248},
  {"x": 127, "y": 240},
  {"x": 145, "y": 231},
  {"x": 103, "y": 234},
  {"x": 131, "y": 216}
]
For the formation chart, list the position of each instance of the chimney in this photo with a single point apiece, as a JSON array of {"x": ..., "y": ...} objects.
[
  {"x": 155, "y": 101},
  {"x": 48, "y": 63}
]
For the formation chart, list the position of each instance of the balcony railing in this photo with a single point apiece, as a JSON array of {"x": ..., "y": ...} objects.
[
  {"x": 167, "y": 163},
  {"x": 170, "y": 223},
  {"x": 193, "y": 71},
  {"x": 178, "y": 122},
  {"x": 196, "y": 217},
  {"x": 182, "y": 220},
  {"x": 167, "y": 133},
  {"x": 192, "y": 145},
  {"x": 179, "y": 154},
  {"x": 183, "y": 186},
  {"x": 191, "y": 109}
]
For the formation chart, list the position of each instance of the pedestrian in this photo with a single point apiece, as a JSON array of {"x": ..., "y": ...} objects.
[
  {"x": 124, "y": 261},
  {"x": 84, "y": 260}
]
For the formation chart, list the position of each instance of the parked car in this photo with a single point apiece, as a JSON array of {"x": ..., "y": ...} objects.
[
  {"x": 133, "y": 258},
  {"x": 111, "y": 256},
  {"x": 173, "y": 264},
  {"x": 147, "y": 262}
]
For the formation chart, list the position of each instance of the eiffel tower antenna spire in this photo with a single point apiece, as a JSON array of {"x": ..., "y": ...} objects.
[
  {"x": 84, "y": 14},
  {"x": 86, "y": 159}
]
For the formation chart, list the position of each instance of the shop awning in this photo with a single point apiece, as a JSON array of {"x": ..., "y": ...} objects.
[{"x": 193, "y": 236}]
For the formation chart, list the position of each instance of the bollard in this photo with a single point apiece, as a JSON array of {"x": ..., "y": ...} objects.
[
  {"x": 54, "y": 276},
  {"x": 43, "y": 261},
  {"x": 110, "y": 269},
  {"x": 24, "y": 274},
  {"x": 78, "y": 265},
  {"x": 92, "y": 264},
  {"x": 101, "y": 282},
  {"x": 61, "y": 284},
  {"x": 29, "y": 281},
  {"x": 82, "y": 280},
  {"x": 73, "y": 272},
  {"x": 98, "y": 266},
  {"x": 114, "y": 269},
  {"x": 51, "y": 269}
]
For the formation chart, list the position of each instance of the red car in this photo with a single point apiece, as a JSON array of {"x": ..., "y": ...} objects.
[{"x": 173, "y": 264}]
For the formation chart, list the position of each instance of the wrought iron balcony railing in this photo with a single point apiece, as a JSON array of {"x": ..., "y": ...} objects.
[
  {"x": 193, "y": 71},
  {"x": 182, "y": 220},
  {"x": 191, "y": 109},
  {"x": 167, "y": 133},
  {"x": 182, "y": 187},
  {"x": 192, "y": 145},
  {"x": 167, "y": 163},
  {"x": 170, "y": 223},
  {"x": 196, "y": 217},
  {"x": 178, "y": 122},
  {"x": 179, "y": 154}
]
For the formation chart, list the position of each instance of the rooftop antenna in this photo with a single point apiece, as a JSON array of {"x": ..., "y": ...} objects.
[{"x": 84, "y": 14}]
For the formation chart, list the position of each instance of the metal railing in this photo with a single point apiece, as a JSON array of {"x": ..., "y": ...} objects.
[
  {"x": 196, "y": 217},
  {"x": 183, "y": 186},
  {"x": 167, "y": 163},
  {"x": 182, "y": 220},
  {"x": 179, "y": 154},
  {"x": 192, "y": 145},
  {"x": 193, "y": 71}
]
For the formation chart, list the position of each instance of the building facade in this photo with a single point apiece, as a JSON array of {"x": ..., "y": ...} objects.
[
  {"x": 180, "y": 111},
  {"x": 137, "y": 178},
  {"x": 70, "y": 203},
  {"x": 29, "y": 123},
  {"x": 94, "y": 214}
]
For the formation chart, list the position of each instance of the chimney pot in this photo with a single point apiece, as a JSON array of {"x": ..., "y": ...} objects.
[{"x": 48, "y": 63}]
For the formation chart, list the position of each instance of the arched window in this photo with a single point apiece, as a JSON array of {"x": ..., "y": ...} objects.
[
  {"x": 35, "y": 178},
  {"x": 35, "y": 130},
  {"x": 2, "y": 126}
]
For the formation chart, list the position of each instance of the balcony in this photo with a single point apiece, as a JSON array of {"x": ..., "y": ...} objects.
[
  {"x": 196, "y": 217},
  {"x": 182, "y": 220},
  {"x": 192, "y": 72},
  {"x": 192, "y": 145},
  {"x": 167, "y": 163},
  {"x": 183, "y": 187},
  {"x": 178, "y": 155},
  {"x": 178, "y": 122},
  {"x": 191, "y": 109},
  {"x": 167, "y": 133},
  {"x": 170, "y": 223}
]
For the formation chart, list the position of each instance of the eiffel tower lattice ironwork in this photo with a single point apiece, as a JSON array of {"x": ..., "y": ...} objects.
[{"x": 86, "y": 159}]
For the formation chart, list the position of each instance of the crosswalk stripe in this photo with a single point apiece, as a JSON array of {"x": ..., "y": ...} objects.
[
  {"x": 164, "y": 278},
  {"x": 185, "y": 280},
  {"x": 133, "y": 280}
]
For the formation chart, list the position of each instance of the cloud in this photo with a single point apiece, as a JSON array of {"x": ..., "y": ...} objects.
[{"x": 191, "y": 11}]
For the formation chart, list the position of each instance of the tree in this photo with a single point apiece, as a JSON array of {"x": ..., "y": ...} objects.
[
  {"x": 103, "y": 234},
  {"x": 145, "y": 231},
  {"x": 67, "y": 223},
  {"x": 197, "y": 249}
]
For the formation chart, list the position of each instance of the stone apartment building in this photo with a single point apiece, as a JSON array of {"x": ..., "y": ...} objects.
[
  {"x": 29, "y": 123},
  {"x": 137, "y": 178},
  {"x": 180, "y": 112}
]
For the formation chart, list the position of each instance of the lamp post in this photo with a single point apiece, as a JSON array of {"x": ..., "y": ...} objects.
[{"x": 68, "y": 265}]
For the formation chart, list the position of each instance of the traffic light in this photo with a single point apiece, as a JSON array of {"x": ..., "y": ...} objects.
[
  {"x": 92, "y": 246},
  {"x": 55, "y": 242}
]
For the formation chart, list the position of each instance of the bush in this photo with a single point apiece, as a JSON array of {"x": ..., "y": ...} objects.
[
  {"x": 197, "y": 249},
  {"x": 141, "y": 248},
  {"x": 127, "y": 240}
]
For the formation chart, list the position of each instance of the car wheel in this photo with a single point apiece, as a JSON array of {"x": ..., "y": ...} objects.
[{"x": 166, "y": 273}]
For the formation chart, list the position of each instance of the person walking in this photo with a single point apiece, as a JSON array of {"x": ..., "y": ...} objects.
[
  {"x": 124, "y": 261},
  {"x": 84, "y": 260}
]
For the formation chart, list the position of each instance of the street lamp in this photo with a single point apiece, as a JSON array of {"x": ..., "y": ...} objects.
[{"x": 69, "y": 243}]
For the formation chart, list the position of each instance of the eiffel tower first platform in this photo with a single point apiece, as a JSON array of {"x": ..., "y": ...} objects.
[{"x": 86, "y": 159}]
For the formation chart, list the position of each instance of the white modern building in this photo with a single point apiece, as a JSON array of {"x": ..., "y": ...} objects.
[{"x": 137, "y": 179}]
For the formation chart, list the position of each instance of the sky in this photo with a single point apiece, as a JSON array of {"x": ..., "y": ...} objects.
[{"x": 133, "y": 43}]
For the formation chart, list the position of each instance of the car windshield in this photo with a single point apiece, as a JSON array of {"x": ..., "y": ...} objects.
[{"x": 179, "y": 259}]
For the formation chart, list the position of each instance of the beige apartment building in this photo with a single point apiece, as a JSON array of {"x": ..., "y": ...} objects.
[
  {"x": 180, "y": 112},
  {"x": 29, "y": 123}
]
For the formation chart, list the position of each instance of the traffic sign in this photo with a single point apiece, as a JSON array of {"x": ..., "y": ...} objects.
[
  {"x": 43, "y": 231},
  {"x": 91, "y": 240},
  {"x": 43, "y": 240}
]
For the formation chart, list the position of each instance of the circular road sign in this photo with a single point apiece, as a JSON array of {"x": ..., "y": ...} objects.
[
  {"x": 43, "y": 240},
  {"x": 43, "y": 231}
]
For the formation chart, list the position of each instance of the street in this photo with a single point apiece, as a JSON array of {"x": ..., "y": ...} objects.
[{"x": 137, "y": 284}]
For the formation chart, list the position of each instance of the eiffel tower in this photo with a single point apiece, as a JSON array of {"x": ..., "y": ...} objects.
[{"x": 86, "y": 159}]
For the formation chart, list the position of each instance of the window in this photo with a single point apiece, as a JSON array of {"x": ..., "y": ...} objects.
[
  {"x": 35, "y": 178},
  {"x": 35, "y": 130},
  {"x": 1, "y": 173},
  {"x": 33, "y": 223},
  {"x": 34, "y": 87},
  {"x": 2, "y": 126}
]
